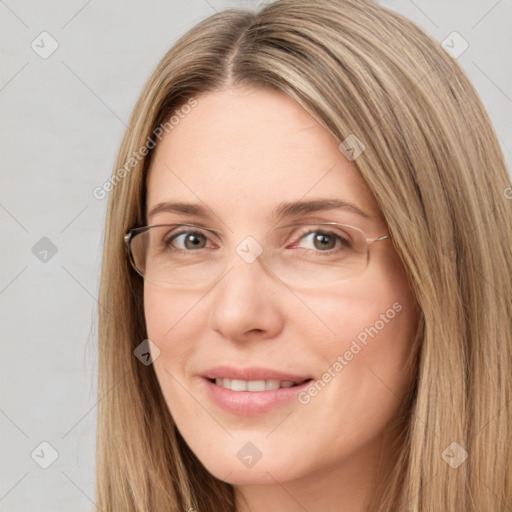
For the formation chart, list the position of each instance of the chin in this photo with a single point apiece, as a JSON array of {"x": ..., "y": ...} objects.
[
  {"x": 235, "y": 472},
  {"x": 246, "y": 476}
]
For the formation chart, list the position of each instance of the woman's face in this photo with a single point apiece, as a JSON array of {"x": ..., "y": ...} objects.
[{"x": 239, "y": 155}]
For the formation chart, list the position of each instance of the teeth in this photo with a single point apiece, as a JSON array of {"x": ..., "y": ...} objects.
[{"x": 253, "y": 385}]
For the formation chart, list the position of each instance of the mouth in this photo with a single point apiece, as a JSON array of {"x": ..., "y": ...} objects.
[
  {"x": 253, "y": 397},
  {"x": 256, "y": 385}
]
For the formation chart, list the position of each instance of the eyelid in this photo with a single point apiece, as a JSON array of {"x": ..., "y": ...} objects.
[
  {"x": 311, "y": 227},
  {"x": 183, "y": 225},
  {"x": 322, "y": 226},
  {"x": 291, "y": 225},
  {"x": 192, "y": 226},
  {"x": 291, "y": 240},
  {"x": 181, "y": 228}
]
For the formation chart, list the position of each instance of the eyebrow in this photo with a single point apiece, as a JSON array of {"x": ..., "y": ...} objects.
[{"x": 285, "y": 209}]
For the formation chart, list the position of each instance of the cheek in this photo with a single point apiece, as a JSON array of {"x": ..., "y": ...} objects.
[
  {"x": 153, "y": 312},
  {"x": 158, "y": 313},
  {"x": 362, "y": 372},
  {"x": 367, "y": 337},
  {"x": 169, "y": 327},
  {"x": 378, "y": 309},
  {"x": 166, "y": 314}
]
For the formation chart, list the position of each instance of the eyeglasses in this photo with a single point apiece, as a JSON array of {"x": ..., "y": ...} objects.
[{"x": 304, "y": 256}]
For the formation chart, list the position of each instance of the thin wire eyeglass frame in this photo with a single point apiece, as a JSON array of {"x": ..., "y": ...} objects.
[{"x": 132, "y": 233}]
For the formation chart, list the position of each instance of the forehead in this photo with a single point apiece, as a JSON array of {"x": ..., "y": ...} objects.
[{"x": 247, "y": 150}]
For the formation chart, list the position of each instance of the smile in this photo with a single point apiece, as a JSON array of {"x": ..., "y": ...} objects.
[
  {"x": 253, "y": 397},
  {"x": 254, "y": 385}
]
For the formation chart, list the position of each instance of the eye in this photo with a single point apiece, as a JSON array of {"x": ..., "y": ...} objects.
[
  {"x": 185, "y": 240},
  {"x": 323, "y": 241}
]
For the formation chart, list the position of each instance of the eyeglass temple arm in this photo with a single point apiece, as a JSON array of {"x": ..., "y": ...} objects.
[{"x": 378, "y": 239}]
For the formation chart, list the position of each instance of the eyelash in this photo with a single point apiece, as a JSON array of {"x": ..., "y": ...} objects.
[{"x": 344, "y": 243}]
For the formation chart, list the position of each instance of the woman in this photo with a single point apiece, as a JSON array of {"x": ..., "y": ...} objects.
[{"x": 247, "y": 365}]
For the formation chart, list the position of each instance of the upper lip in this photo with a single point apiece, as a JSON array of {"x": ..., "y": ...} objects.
[{"x": 253, "y": 373}]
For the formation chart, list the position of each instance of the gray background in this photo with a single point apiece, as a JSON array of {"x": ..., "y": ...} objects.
[{"x": 62, "y": 118}]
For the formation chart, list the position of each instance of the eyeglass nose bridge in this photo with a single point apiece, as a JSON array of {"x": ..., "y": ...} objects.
[
  {"x": 254, "y": 253},
  {"x": 267, "y": 256}
]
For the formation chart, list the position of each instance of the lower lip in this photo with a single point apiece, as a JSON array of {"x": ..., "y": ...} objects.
[{"x": 251, "y": 403}]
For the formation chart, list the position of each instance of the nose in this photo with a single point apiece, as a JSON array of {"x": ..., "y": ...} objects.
[{"x": 248, "y": 299}]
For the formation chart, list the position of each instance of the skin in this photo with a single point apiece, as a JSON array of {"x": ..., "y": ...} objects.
[{"x": 241, "y": 152}]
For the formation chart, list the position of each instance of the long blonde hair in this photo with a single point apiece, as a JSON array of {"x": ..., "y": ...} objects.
[{"x": 432, "y": 161}]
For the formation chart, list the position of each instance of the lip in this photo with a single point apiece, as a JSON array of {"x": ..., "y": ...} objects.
[
  {"x": 251, "y": 403},
  {"x": 253, "y": 373}
]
